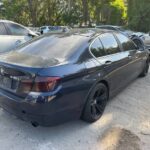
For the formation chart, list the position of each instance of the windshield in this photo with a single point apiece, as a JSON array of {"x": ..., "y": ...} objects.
[{"x": 54, "y": 46}]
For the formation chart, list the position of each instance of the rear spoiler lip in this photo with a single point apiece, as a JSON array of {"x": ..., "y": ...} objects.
[{"x": 31, "y": 70}]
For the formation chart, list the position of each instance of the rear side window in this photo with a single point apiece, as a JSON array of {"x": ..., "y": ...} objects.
[
  {"x": 17, "y": 30},
  {"x": 127, "y": 44},
  {"x": 110, "y": 44},
  {"x": 2, "y": 29},
  {"x": 97, "y": 48}
]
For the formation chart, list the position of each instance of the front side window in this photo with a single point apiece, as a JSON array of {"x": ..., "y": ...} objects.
[
  {"x": 127, "y": 44},
  {"x": 17, "y": 30},
  {"x": 2, "y": 29},
  {"x": 110, "y": 44},
  {"x": 97, "y": 49}
]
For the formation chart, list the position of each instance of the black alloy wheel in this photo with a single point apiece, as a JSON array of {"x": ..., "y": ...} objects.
[{"x": 96, "y": 103}]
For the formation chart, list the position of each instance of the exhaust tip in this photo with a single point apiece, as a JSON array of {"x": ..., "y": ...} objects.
[{"x": 35, "y": 124}]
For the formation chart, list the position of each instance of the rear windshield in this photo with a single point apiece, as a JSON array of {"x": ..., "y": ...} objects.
[{"x": 54, "y": 46}]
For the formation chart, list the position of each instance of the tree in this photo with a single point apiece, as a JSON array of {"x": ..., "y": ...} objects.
[
  {"x": 65, "y": 12},
  {"x": 16, "y": 11},
  {"x": 139, "y": 15},
  {"x": 108, "y": 11}
]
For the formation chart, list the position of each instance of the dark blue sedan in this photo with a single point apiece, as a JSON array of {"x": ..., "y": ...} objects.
[{"x": 56, "y": 78}]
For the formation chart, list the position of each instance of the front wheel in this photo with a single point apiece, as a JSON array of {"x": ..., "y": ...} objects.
[
  {"x": 145, "y": 70},
  {"x": 96, "y": 103}
]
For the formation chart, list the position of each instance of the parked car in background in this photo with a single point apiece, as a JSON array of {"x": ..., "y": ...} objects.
[
  {"x": 147, "y": 39},
  {"x": 60, "y": 29},
  {"x": 54, "y": 29},
  {"x": 144, "y": 37},
  {"x": 44, "y": 29},
  {"x": 116, "y": 28},
  {"x": 65, "y": 76},
  {"x": 35, "y": 30},
  {"x": 12, "y": 35}
]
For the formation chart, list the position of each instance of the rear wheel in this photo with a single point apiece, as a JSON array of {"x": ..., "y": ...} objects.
[
  {"x": 96, "y": 103},
  {"x": 145, "y": 70}
]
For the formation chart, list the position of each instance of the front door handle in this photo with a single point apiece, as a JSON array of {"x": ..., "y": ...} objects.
[{"x": 108, "y": 62}]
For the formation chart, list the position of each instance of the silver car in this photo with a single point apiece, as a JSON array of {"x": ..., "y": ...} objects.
[{"x": 12, "y": 35}]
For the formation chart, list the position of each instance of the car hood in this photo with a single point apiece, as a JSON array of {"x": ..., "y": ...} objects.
[{"x": 22, "y": 59}]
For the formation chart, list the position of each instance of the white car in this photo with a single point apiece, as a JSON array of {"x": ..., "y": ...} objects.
[
  {"x": 54, "y": 29},
  {"x": 147, "y": 39},
  {"x": 45, "y": 29},
  {"x": 12, "y": 35}
]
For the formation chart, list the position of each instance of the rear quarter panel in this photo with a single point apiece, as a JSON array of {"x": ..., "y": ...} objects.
[{"x": 76, "y": 82}]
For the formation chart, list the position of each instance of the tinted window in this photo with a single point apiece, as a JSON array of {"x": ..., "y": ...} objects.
[
  {"x": 127, "y": 44},
  {"x": 2, "y": 29},
  {"x": 17, "y": 30},
  {"x": 54, "y": 46},
  {"x": 110, "y": 44},
  {"x": 97, "y": 48}
]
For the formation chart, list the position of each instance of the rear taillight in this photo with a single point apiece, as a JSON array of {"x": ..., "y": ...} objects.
[
  {"x": 45, "y": 84},
  {"x": 25, "y": 86},
  {"x": 40, "y": 84}
]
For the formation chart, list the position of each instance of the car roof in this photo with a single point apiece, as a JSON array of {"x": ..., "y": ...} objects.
[
  {"x": 88, "y": 33},
  {"x": 6, "y": 21}
]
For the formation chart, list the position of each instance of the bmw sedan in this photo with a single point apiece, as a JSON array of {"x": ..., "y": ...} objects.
[{"x": 56, "y": 78}]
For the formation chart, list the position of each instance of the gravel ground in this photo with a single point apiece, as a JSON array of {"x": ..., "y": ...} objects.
[{"x": 125, "y": 125}]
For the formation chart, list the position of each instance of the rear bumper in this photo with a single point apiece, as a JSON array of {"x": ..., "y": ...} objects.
[{"x": 44, "y": 114}]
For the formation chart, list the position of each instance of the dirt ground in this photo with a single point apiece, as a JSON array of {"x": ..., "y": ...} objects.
[{"x": 125, "y": 125}]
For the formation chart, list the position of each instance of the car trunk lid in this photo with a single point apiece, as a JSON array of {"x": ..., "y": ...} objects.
[
  {"x": 18, "y": 72},
  {"x": 27, "y": 60}
]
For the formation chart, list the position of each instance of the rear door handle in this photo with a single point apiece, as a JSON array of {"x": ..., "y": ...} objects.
[{"x": 108, "y": 62}]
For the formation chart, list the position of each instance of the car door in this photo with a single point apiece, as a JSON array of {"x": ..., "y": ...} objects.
[
  {"x": 114, "y": 62},
  {"x": 112, "y": 59},
  {"x": 18, "y": 34},
  {"x": 135, "y": 56}
]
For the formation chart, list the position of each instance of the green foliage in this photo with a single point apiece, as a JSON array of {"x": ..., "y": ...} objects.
[
  {"x": 139, "y": 15},
  {"x": 81, "y": 12},
  {"x": 16, "y": 10},
  {"x": 118, "y": 13}
]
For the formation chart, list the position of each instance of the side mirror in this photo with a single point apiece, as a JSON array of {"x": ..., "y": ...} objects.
[
  {"x": 139, "y": 44},
  {"x": 32, "y": 34}
]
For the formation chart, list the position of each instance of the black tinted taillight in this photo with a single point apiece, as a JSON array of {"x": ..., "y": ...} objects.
[
  {"x": 25, "y": 85},
  {"x": 45, "y": 84},
  {"x": 39, "y": 84}
]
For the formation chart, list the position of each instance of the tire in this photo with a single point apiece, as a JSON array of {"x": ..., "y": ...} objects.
[
  {"x": 96, "y": 103},
  {"x": 145, "y": 70}
]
